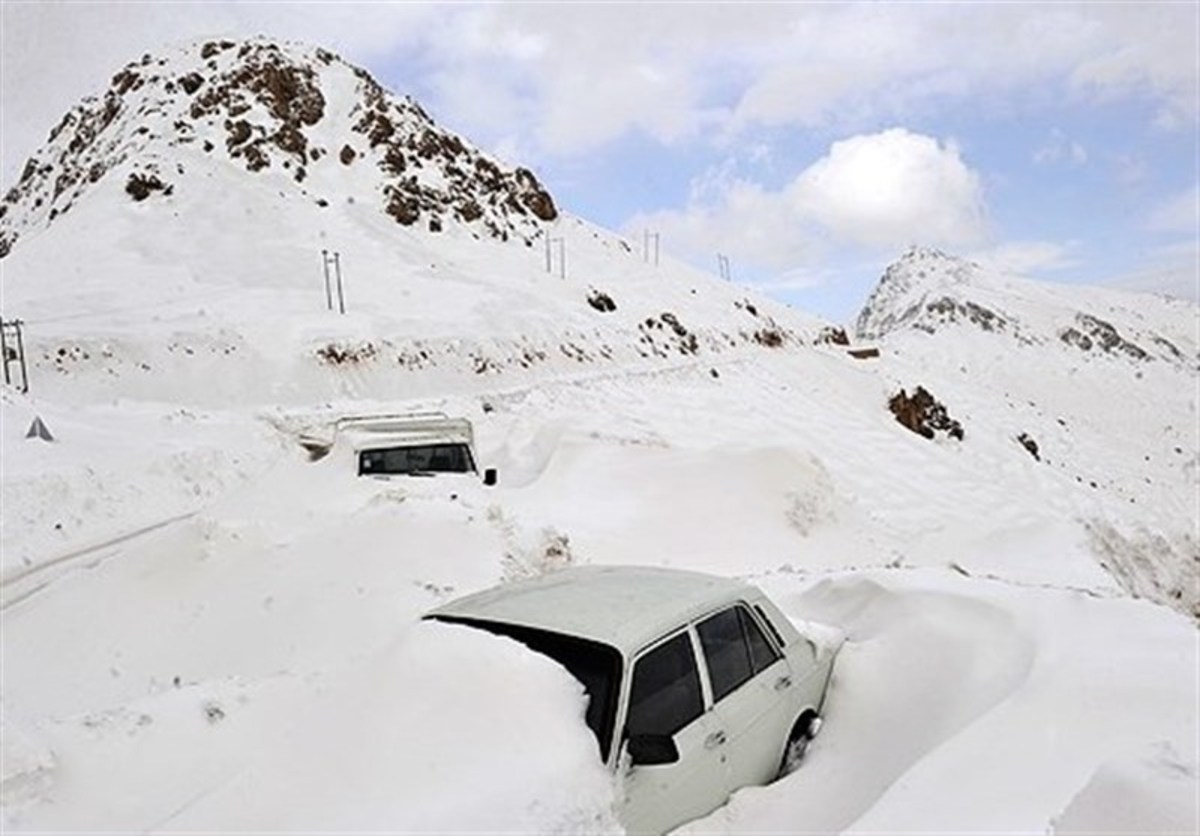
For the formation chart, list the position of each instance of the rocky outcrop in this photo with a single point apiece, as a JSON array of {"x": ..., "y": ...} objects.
[
  {"x": 272, "y": 108},
  {"x": 924, "y": 414}
]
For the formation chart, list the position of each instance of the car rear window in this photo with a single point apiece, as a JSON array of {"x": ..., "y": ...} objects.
[{"x": 597, "y": 667}]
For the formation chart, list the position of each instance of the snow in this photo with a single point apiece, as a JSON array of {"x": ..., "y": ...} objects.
[{"x": 204, "y": 630}]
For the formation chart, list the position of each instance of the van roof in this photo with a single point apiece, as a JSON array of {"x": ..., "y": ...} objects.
[
  {"x": 400, "y": 431},
  {"x": 626, "y": 607}
]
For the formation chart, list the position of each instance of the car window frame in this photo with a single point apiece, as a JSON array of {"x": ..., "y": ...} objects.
[
  {"x": 686, "y": 628},
  {"x": 689, "y": 626},
  {"x": 749, "y": 609}
]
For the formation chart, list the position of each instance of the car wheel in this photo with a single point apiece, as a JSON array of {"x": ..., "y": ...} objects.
[{"x": 802, "y": 734}]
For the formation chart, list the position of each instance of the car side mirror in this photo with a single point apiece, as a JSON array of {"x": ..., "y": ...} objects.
[
  {"x": 650, "y": 749},
  {"x": 489, "y": 477}
]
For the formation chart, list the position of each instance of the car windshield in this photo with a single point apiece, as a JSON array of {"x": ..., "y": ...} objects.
[
  {"x": 418, "y": 458},
  {"x": 597, "y": 667}
]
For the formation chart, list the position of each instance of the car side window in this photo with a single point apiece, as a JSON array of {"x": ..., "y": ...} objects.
[
  {"x": 762, "y": 655},
  {"x": 725, "y": 651},
  {"x": 665, "y": 694},
  {"x": 734, "y": 648}
]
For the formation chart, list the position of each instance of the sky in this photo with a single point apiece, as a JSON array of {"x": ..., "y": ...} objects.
[{"x": 808, "y": 143}]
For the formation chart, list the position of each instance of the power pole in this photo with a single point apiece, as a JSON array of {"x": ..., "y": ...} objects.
[
  {"x": 14, "y": 353},
  {"x": 647, "y": 238},
  {"x": 562, "y": 256},
  {"x": 334, "y": 260},
  {"x": 723, "y": 267}
]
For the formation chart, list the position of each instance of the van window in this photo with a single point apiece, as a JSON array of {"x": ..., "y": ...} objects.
[
  {"x": 415, "y": 459},
  {"x": 665, "y": 695}
]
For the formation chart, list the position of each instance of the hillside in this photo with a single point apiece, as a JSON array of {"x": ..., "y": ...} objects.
[
  {"x": 265, "y": 157},
  {"x": 206, "y": 630}
]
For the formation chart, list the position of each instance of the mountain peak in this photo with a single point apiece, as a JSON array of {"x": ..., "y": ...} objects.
[
  {"x": 905, "y": 286},
  {"x": 272, "y": 109}
]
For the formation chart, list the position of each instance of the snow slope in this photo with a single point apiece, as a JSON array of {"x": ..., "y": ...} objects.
[{"x": 204, "y": 630}]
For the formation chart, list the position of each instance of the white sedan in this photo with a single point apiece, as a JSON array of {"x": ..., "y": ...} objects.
[{"x": 697, "y": 685}]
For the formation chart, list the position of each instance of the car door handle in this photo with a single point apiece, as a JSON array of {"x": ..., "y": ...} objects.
[
  {"x": 783, "y": 683},
  {"x": 714, "y": 740}
]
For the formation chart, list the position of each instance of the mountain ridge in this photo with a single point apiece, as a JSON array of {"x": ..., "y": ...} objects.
[{"x": 929, "y": 291}]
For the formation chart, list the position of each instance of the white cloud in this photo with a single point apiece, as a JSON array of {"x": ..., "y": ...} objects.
[
  {"x": 1058, "y": 148},
  {"x": 1180, "y": 213},
  {"x": 1027, "y": 258},
  {"x": 893, "y": 188},
  {"x": 878, "y": 191},
  {"x": 568, "y": 78}
]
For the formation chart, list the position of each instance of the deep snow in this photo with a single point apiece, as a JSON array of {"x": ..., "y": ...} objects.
[{"x": 205, "y": 630}]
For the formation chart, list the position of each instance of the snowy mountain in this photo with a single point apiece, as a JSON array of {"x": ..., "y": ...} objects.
[
  {"x": 991, "y": 491},
  {"x": 277, "y": 109},
  {"x": 930, "y": 291}
]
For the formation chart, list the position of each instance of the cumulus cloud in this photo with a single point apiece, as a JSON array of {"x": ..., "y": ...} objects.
[
  {"x": 890, "y": 189},
  {"x": 879, "y": 191}
]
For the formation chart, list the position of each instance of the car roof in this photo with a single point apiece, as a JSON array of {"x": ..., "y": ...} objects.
[{"x": 626, "y": 607}]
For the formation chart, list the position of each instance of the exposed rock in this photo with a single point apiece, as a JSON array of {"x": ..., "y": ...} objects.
[
  {"x": 141, "y": 186},
  {"x": 833, "y": 335},
  {"x": 1095, "y": 331},
  {"x": 923, "y": 414},
  {"x": 601, "y": 301},
  {"x": 1029, "y": 444}
]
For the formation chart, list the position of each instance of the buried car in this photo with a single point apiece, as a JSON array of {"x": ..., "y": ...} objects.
[{"x": 697, "y": 685}]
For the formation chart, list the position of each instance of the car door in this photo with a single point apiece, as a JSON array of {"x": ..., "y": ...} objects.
[
  {"x": 666, "y": 700},
  {"x": 752, "y": 691}
]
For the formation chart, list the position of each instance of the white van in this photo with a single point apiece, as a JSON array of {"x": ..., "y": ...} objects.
[
  {"x": 696, "y": 685},
  {"x": 405, "y": 444}
]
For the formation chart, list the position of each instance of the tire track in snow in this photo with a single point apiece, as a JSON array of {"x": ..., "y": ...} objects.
[{"x": 23, "y": 584}]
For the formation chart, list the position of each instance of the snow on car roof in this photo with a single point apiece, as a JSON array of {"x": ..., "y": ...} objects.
[{"x": 623, "y": 606}]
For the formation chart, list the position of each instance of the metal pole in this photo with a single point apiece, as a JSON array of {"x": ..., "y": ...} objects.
[
  {"x": 21, "y": 354},
  {"x": 337, "y": 266},
  {"x": 325, "y": 270},
  {"x": 656, "y": 249},
  {"x": 548, "y": 268},
  {"x": 562, "y": 257},
  {"x": 4, "y": 352}
]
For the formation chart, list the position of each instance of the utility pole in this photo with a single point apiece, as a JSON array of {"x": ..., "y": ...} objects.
[
  {"x": 647, "y": 238},
  {"x": 334, "y": 260},
  {"x": 11, "y": 330},
  {"x": 562, "y": 256},
  {"x": 723, "y": 267}
]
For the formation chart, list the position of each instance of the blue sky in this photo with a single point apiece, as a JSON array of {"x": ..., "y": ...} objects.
[{"x": 809, "y": 142}]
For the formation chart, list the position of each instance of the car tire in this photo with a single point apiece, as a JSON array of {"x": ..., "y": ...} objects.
[{"x": 797, "y": 744}]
